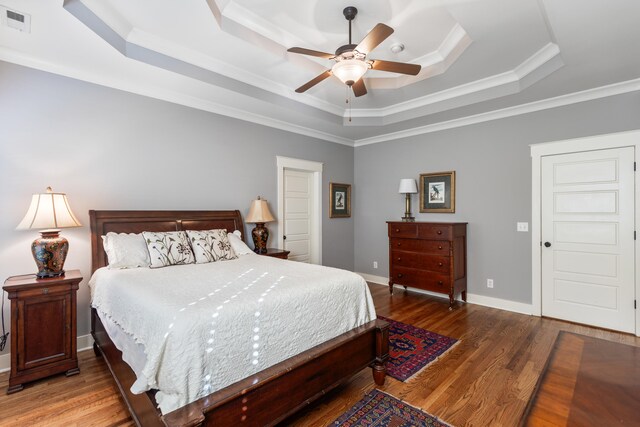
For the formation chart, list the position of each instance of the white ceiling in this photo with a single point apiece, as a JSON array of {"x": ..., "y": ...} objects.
[{"x": 481, "y": 59}]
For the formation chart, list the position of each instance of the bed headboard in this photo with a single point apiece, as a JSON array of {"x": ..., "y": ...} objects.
[{"x": 103, "y": 222}]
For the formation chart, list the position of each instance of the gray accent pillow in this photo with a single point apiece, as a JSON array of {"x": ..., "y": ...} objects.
[
  {"x": 211, "y": 245},
  {"x": 168, "y": 248}
]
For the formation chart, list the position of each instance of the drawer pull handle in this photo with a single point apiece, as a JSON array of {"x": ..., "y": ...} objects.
[
  {"x": 439, "y": 264},
  {"x": 399, "y": 259},
  {"x": 399, "y": 244},
  {"x": 440, "y": 282},
  {"x": 399, "y": 274},
  {"x": 439, "y": 247},
  {"x": 397, "y": 230},
  {"x": 439, "y": 232},
  {"x": 45, "y": 291}
]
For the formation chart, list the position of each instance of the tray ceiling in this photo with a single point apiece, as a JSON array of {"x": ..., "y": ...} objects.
[{"x": 229, "y": 56}]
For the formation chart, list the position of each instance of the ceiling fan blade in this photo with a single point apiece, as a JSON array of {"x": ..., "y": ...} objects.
[
  {"x": 313, "y": 82},
  {"x": 310, "y": 52},
  {"x": 396, "y": 67},
  {"x": 359, "y": 88},
  {"x": 376, "y": 36}
]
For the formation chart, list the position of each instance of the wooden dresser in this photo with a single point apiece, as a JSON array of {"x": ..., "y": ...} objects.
[{"x": 430, "y": 256}]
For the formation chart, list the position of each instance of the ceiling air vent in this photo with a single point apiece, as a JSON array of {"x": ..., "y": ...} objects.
[{"x": 16, "y": 20}]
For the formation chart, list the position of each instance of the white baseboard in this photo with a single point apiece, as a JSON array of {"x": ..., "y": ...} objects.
[
  {"x": 499, "y": 303},
  {"x": 84, "y": 342}
]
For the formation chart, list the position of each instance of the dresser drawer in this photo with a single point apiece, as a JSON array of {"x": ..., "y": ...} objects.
[
  {"x": 421, "y": 279},
  {"x": 409, "y": 230},
  {"x": 438, "y": 232},
  {"x": 426, "y": 246},
  {"x": 437, "y": 263}
]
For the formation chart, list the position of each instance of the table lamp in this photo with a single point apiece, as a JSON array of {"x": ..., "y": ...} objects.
[
  {"x": 408, "y": 187},
  {"x": 49, "y": 212},
  {"x": 259, "y": 214}
]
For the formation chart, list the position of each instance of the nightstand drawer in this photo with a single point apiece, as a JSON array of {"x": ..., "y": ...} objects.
[
  {"x": 436, "y": 263},
  {"x": 43, "y": 291},
  {"x": 426, "y": 246}
]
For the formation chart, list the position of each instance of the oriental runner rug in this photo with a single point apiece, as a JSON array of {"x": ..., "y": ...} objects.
[
  {"x": 412, "y": 349},
  {"x": 383, "y": 410}
]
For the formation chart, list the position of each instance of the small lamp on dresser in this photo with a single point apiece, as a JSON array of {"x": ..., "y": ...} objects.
[
  {"x": 408, "y": 187},
  {"x": 259, "y": 214},
  {"x": 49, "y": 212}
]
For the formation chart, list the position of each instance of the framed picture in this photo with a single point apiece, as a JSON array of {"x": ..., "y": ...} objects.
[
  {"x": 339, "y": 200},
  {"x": 438, "y": 192}
]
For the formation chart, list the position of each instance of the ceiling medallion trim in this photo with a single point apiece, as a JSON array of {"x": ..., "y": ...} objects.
[{"x": 469, "y": 93}]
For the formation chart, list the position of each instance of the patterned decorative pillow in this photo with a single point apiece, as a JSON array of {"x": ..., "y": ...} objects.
[
  {"x": 170, "y": 248},
  {"x": 211, "y": 245}
]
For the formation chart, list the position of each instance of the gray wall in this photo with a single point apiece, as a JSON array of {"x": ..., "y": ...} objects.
[
  {"x": 109, "y": 149},
  {"x": 493, "y": 186}
]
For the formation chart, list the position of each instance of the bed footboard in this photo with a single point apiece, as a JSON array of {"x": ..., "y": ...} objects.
[{"x": 268, "y": 397}]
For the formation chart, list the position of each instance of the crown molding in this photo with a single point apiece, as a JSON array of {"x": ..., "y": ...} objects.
[
  {"x": 531, "y": 107},
  {"x": 468, "y": 93},
  {"x": 153, "y": 91}
]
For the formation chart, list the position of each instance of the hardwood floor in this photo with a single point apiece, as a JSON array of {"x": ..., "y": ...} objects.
[
  {"x": 487, "y": 379},
  {"x": 588, "y": 381}
]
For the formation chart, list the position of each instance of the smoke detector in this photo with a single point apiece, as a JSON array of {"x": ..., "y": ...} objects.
[
  {"x": 16, "y": 20},
  {"x": 396, "y": 47}
]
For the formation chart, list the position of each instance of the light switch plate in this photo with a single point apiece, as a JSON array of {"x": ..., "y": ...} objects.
[{"x": 522, "y": 226}]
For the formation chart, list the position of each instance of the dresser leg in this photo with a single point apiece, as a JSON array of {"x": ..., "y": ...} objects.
[
  {"x": 464, "y": 296},
  {"x": 74, "y": 371},
  {"x": 391, "y": 288},
  {"x": 14, "y": 388},
  {"x": 451, "y": 301}
]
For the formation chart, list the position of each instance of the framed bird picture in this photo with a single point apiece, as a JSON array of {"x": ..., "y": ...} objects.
[
  {"x": 340, "y": 200},
  {"x": 438, "y": 192}
]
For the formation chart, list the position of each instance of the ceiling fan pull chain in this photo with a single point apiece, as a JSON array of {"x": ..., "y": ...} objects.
[{"x": 348, "y": 101}]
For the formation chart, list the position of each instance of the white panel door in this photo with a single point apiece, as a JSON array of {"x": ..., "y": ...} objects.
[
  {"x": 588, "y": 252},
  {"x": 297, "y": 214}
]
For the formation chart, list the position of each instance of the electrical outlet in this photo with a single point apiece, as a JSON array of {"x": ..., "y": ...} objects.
[
  {"x": 375, "y": 264},
  {"x": 490, "y": 283},
  {"x": 522, "y": 226}
]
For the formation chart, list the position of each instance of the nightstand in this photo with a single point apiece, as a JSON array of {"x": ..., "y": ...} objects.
[
  {"x": 276, "y": 253},
  {"x": 43, "y": 327}
]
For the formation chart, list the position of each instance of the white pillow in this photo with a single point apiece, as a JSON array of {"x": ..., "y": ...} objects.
[
  {"x": 126, "y": 250},
  {"x": 168, "y": 248},
  {"x": 210, "y": 245},
  {"x": 239, "y": 247}
]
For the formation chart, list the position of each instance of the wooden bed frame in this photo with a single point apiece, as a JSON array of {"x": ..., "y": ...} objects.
[{"x": 263, "y": 399}]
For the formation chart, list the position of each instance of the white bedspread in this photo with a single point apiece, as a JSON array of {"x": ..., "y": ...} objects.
[{"x": 206, "y": 326}]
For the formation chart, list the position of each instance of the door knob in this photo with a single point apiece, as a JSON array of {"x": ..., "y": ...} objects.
[
  {"x": 284, "y": 237},
  {"x": 547, "y": 244}
]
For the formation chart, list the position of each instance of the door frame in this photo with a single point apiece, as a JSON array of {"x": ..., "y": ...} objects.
[
  {"x": 316, "y": 222},
  {"x": 591, "y": 143}
]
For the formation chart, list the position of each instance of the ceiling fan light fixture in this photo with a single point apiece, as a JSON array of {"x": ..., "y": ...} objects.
[{"x": 349, "y": 71}]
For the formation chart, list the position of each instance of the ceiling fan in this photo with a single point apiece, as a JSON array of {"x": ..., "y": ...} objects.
[{"x": 351, "y": 60}]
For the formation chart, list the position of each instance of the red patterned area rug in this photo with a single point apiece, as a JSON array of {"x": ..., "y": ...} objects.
[
  {"x": 383, "y": 410},
  {"x": 411, "y": 349}
]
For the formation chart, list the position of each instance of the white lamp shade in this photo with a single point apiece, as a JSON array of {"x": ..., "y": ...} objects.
[
  {"x": 49, "y": 211},
  {"x": 349, "y": 71},
  {"x": 408, "y": 185},
  {"x": 259, "y": 212}
]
